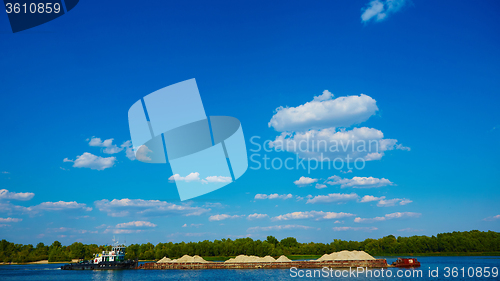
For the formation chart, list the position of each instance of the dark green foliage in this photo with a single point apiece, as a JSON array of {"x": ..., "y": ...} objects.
[{"x": 456, "y": 242}]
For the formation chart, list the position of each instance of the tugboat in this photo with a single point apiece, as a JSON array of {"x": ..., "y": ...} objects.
[
  {"x": 402, "y": 262},
  {"x": 114, "y": 259}
]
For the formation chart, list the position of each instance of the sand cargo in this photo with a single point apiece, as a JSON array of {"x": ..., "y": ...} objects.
[{"x": 343, "y": 259}]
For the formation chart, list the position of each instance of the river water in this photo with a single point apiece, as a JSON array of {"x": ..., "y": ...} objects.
[{"x": 448, "y": 268}]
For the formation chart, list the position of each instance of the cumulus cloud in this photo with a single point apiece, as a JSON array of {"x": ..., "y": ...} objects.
[
  {"x": 21, "y": 196},
  {"x": 43, "y": 207},
  {"x": 122, "y": 231},
  {"x": 358, "y": 182},
  {"x": 313, "y": 215},
  {"x": 332, "y": 198},
  {"x": 192, "y": 225},
  {"x": 109, "y": 147},
  {"x": 378, "y": 10},
  {"x": 196, "y": 177},
  {"x": 324, "y": 112},
  {"x": 326, "y": 95},
  {"x": 273, "y": 196},
  {"x": 10, "y": 220},
  {"x": 303, "y": 181},
  {"x": 213, "y": 205},
  {"x": 129, "y": 150},
  {"x": 493, "y": 218},
  {"x": 257, "y": 216},
  {"x": 223, "y": 217},
  {"x": 89, "y": 160},
  {"x": 140, "y": 207},
  {"x": 329, "y": 144},
  {"x": 320, "y": 186},
  {"x": 346, "y": 228},
  {"x": 60, "y": 206},
  {"x": 217, "y": 179},
  {"x": 135, "y": 224},
  {"x": 191, "y": 177},
  {"x": 393, "y": 202},
  {"x": 277, "y": 227},
  {"x": 397, "y": 215},
  {"x": 370, "y": 198}
]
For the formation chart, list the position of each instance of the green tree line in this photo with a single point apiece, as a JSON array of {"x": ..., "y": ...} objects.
[{"x": 457, "y": 242}]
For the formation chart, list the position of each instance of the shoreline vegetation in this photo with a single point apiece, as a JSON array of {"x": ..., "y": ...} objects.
[{"x": 467, "y": 243}]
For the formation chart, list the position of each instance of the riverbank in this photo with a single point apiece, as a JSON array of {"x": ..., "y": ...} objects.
[{"x": 39, "y": 262}]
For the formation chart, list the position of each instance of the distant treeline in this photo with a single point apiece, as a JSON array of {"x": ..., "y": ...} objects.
[{"x": 457, "y": 242}]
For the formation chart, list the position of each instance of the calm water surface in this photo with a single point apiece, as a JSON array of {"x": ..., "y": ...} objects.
[{"x": 52, "y": 272}]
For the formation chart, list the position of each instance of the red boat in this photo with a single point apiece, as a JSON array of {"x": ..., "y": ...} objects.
[{"x": 401, "y": 262}]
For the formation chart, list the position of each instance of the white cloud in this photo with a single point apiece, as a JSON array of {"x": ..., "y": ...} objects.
[
  {"x": 277, "y": 227},
  {"x": 191, "y": 177},
  {"x": 42, "y": 207},
  {"x": 10, "y": 220},
  {"x": 493, "y": 218},
  {"x": 320, "y": 186},
  {"x": 346, "y": 172},
  {"x": 324, "y": 112},
  {"x": 196, "y": 177},
  {"x": 109, "y": 147},
  {"x": 223, "y": 217},
  {"x": 303, "y": 181},
  {"x": 5, "y": 172},
  {"x": 273, "y": 196},
  {"x": 59, "y": 206},
  {"x": 257, "y": 216},
  {"x": 21, "y": 196},
  {"x": 378, "y": 10},
  {"x": 140, "y": 207},
  {"x": 213, "y": 205},
  {"x": 314, "y": 215},
  {"x": 192, "y": 225},
  {"x": 370, "y": 198},
  {"x": 397, "y": 215},
  {"x": 346, "y": 228},
  {"x": 129, "y": 150},
  {"x": 358, "y": 182},
  {"x": 123, "y": 231},
  {"x": 133, "y": 224},
  {"x": 326, "y": 95},
  {"x": 393, "y": 202},
  {"x": 89, "y": 160},
  {"x": 217, "y": 179},
  {"x": 332, "y": 198},
  {"x": 329, "y": 144}
]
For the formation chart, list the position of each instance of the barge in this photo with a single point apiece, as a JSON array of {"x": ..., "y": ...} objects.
[{"x": 377, "y": 263}]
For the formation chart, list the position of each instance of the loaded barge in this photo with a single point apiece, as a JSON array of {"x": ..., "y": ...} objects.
[{"x": 377, "y": 263}]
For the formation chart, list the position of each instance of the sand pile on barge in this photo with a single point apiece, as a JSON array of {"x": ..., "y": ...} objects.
[
  {"x": 346, "y": 256},
  {"x": 283, "y": 259},
  {"x": 185, "y": 258},
  {"x": 164, "y": 260},
  {"x": 245, "y": 259}
]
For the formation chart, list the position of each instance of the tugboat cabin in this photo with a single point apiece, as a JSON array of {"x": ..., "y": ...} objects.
[{"x": 117, "y": 253}]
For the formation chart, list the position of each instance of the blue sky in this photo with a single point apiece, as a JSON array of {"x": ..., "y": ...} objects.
[{"x": 430, "y": 68}]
